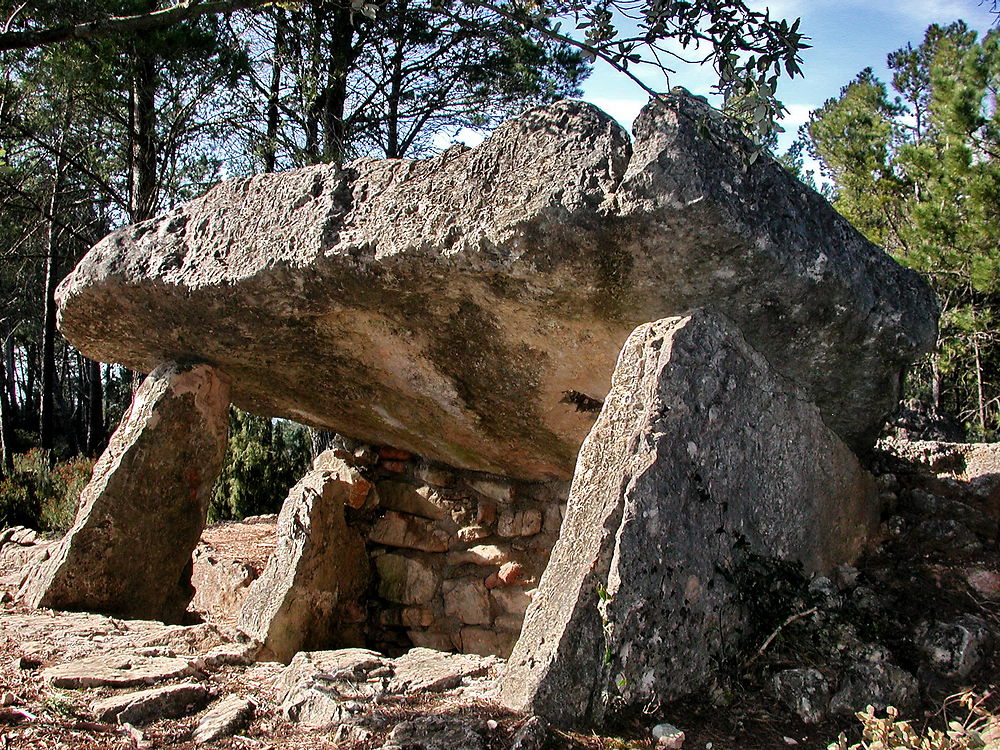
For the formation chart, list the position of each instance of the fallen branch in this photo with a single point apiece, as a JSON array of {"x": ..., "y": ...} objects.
[{"x": 777, "y": 631}]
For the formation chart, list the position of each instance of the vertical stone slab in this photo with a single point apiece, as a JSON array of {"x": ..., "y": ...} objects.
[
  {"x": 701, "y": 459},
  {"x": 129, "y": 551},
  {"x": 311, "y": 593}
]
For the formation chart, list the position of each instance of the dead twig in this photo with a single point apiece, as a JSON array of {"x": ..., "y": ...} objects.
[{"x": 777, "y": 631}]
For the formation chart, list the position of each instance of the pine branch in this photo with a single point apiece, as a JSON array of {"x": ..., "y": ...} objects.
[{"x": 118, "y": 25}]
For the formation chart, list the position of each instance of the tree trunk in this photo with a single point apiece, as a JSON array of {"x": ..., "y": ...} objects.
[
  {"x": 981, "y": 401},
  {"x": 144, "y": 157},
  {"x": 341, "y": 53},
  {"x": 46, "y": 409},
  {"x": 393, "y": 149},
  {"x": 6, "y": 444},
  {"x": 96, "y": 435},
  {"x": 274, "y": 92}
]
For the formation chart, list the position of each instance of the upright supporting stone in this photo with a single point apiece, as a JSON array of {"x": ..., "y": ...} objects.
[
  {"x": 310, "y": 595},
  {"x": 129, "y": 551},
  {"x": 702, "y": 460}
]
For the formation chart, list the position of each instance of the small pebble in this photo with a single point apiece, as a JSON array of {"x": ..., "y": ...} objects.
[
  {"x": 8, "y": 699},
  {"x": 492, "y": 724}
]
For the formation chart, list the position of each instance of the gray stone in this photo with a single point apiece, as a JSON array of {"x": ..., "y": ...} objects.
[
  {"x": 955, "y": 649},
  {"x": 878, "y": 684},
  {"x": 220, "y": 585},
  {"x": 325, "y": 687},
  {"x": 410, "y": 532},
  {"x": 668, "y": 737},
  {"x": 405, "y": 580},
  {"x": 701, "y": 456},
  {"x": 425, "y": 670},
  {"x": 532, "y": 735},
  {"x": 467, "y": 601},
  {"x": 434, "y": 733},
  {"x": 129, "y": 551},
  {"x": 117, "y": 671},
  {"x": 147, "y": 706},
  {"x": 804, "y": 691},
  {"x": 225, "y": 719},
  {"x": 470, "y": 308},
  {"x": 311, "y": 593}
]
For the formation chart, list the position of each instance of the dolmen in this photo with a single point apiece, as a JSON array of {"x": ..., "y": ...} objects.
[{"x": 674, "y": 330}]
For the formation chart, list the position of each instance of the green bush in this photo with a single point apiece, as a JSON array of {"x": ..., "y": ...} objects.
[
  {"x": 264, "y": 459},
  {"x": 979, "y": 730},
  {"x": 43, "y": 497}
]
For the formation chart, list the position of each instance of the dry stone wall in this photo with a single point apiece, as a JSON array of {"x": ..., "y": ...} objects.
[
  {"x": 453, "y": 557},
  {"x": 457, "y": 555}
]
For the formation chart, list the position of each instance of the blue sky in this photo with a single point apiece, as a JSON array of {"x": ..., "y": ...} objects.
[{"x": 847, "y": 36}]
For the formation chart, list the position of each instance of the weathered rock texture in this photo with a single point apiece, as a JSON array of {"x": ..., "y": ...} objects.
[
  {"x": 129, "y": 551},
  {"x": 455, "y": 558},
  {"x": 311, "y": 591},
  {"x": 470, "y": 308},
  {"x": 702, "y": 457}
]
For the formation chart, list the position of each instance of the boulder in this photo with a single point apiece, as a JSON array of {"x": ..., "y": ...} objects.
[
  {"x": 129, "y": 551},
  {"x": 702, "y": 461},
  {"x": 470, "y": 308},
  {"x": 805, "y": 691},
  {"x": 310, "y": 594}
]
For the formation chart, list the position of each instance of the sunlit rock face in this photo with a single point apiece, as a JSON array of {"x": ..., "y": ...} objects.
[{"x": 470, "y": 307}]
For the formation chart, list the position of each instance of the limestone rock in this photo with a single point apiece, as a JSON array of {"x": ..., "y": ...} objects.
[
  {"x": 324, "y": 687},
  {"x": 147, "y": 706},
  {"x": 878, "y": 684},
  {"x": 804, "y": 691},
  {"x": 310, "y": 593},
  {"x": 129, "y": 550},
  {"x": 955, "y": 649},
  {"x": 470, "y": 308},
  {"x": 434, "y": 733},
  {"x": 405, "y": 580},
  {"x": 467, "y": 601},
  {"x": 701, "y": 457},
  {"x": 403, "y": 530},
  {"x": 116, "y": 671},
  {"x": 231, "y": 714},
  {"x": 220, "y": 585}
]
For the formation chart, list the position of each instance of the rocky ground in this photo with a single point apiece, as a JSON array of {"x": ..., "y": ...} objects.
[{"x": 914, "y": 623}]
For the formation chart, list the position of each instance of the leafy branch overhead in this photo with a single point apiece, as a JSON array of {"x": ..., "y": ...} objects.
[{"x": 749, "y": 50}]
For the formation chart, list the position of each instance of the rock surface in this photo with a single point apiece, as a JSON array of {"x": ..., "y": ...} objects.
[
  {"x": 129, "y": 550},
  {"x": 326, "y": 687},
  {"x": 145, "y": 706},
  {"x": 117, "y": 671},
  {"x": 470, "y": 308},
  {"x": 231, "y": 714},
  {"x": 310, "y": 593},
  {"x": 702, "y": 457}
]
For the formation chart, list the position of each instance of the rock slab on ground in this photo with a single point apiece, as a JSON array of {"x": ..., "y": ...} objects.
[
  {"x": 702, "y": 459},
  {"x": 147, "y": 706},
  {"x": 310, "y": 594},
  {"x": 127, "y": 670},
  {"x": 129, "y": 551},
  {"x": 358, "y": 299},
  {"x": 231, "y": 714}
]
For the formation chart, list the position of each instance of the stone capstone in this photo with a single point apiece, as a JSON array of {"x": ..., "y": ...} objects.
[
  {"x": 702, "y": 460},
  {"x": 311, "y": 593},
  {"x": 129, "y": 550},
  {"x": 470, "y": 308}
]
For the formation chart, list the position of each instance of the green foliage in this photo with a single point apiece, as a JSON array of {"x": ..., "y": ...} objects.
[
  {"x": 916, "y": 169},
  {"x": 42, "y": 497},
  {"x": 263, "y": 460},
  {"x": 980, "y": 730}
]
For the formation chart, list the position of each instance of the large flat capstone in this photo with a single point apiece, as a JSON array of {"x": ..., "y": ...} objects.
[
  {"x": 470, "y": 308},
  {"x": 703, "y": 465}
]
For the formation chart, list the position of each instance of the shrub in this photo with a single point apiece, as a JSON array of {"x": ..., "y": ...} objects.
[
  {"x": 980, "y": 730},
  {"x": 41, "y": 497}
]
